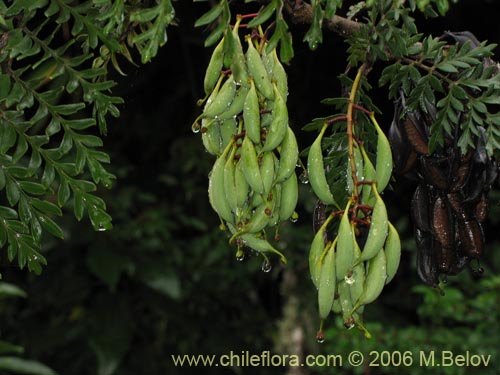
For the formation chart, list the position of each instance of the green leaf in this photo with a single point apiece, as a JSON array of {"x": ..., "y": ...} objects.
[
  {"x": 78, "y": 206},
  {"x": 13, "y": 192},
  {"x": 8, "y": 137},
  {"x": 24, "y": 209},
  {"x": 33, "y": 188},
  {"x": 100, "y": 219},
  {"x": 7, "y": 347},
  {"x": 8, "y": 213},
  {"x": 50, "y": 226},
  {"x": 447, "y": 67},
  {"x": 48, "y": 175},
  {"x": 4, "y": 86},
  {"x": 24, "y": 366},
  {"x": 11, "y": 290},
  {"x": 209, "y": 16},
  {"x": 264, "y": 14},
  {"x": 64, "y": 193},
  {"x": 286, "y": 48},
  {"x": 46, "y": 207},
  {"x": 314, "y": 35}
]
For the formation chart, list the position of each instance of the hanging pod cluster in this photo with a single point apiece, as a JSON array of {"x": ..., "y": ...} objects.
[
  {"x": 253, "y": 185},
  {"x": 450, "y": 203},
  {"x": 351, "y": 268}
]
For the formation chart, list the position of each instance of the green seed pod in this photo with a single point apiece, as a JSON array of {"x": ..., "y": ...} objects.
[
  {"x": 327, "y": 281},
  {"x": 358, "y": 161},
  {"x": 251, "y": 114},
  {"x": 267, "y": 171},
  {"x": 378, "y": 229},
  {"x": 289, "y": 155},
  {"x": 375, "y": 279},
  {"x": 210, "y": 136},
  {"x": 237, "y": 104},
  {"x": 216, "y": 193},
  {"x": 214, "y": 68},
  {"x": 369, "y": 175},
  {"x": 241, "y": 186},
  {"x": 345, "y": 245},
  {"x": 238, "y": 64},
  {"x": 258, "y": 71},
  {"x": 222, "y": 101},
  {"x": 276, "y": 195},
  {"x": 268, "y": 60},
  {"x": 228, "y": 129},
  {"x": 392, "y": 252},
  {"x": 255, "y": 199},
  {"x": 384, "y": 159},
  {"x": 267, "y": 114},
  {"x": 316, "y": 171},
  {"x": 260, "y": 218},
  {"x": 229, "y": 181},
  {"x": 250, "y": 166},
  {"x": 317, "y": 248},
  {"x": 258, "y": 244},
  {"x": 345, "y": 301},
  {"x": 336, "y": 308},
  {"x": 279, "y": 76},
  {"x": 279, "y": 124},
  {"x": 289, "y": 197},
  {"x": 356, "y": 281}
]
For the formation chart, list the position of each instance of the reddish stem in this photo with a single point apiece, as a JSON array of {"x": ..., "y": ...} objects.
[
  {"x": 336, "y": 119},
  {"x": 361, "y": 221},
  {"x": 249, "y": 15},
  {"x": 362, "y": 109}
]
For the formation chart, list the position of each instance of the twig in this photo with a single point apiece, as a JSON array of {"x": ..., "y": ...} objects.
[{"x": 301, "y": 12}]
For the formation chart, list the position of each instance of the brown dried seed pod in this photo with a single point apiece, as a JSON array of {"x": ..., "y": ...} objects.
[
  {"x": 481, "y": 208},
  {"x": 434, "y": 174},
  {"x": 420, "y": 208},
  {"x": 426, "y": 261},
  {"x": 442, "y": 223},
  {"x": 461, "y": 172},
  {"x": 471, "y": 236},
  {"x": 416, "y": 137}
]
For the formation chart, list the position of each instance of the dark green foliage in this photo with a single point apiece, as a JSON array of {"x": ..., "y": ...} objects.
[
  {"x": 164, "y": 281},
  {"x": 54, "y": 90}
]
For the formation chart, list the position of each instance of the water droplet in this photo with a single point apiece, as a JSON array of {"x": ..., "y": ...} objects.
[
  {"x": 101, "y": 227},
  {"x": 304, "y": 177},
  {"x": 295, "y": 217},
  {"x": 349, "y": 324},
  {"x": 240, "y": 255},
  {"x": 35, "y": 257},
  {"x": 266, "y": 266},
  {"x": 320, "y": 337},
  {"x": 195, "y": 128}
]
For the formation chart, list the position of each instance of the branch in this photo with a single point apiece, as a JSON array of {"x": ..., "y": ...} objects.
[{"x": 302, "y": 12}]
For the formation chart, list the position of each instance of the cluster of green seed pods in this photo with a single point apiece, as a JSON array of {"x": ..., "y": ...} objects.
[
  {"x": 253, "y": 185},
  {"x": 351, "y": 266}
]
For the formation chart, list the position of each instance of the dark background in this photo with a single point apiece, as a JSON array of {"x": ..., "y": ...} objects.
[{"x": 165, "y": 281}]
